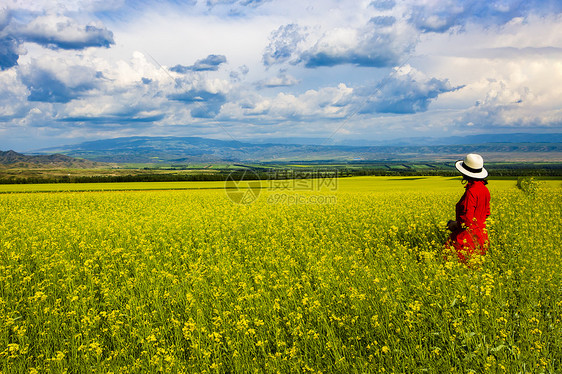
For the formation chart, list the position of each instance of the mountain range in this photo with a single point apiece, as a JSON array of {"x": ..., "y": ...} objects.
[
  {"x": 17, "y": 160},
  {"x": 142, "y": 149}
]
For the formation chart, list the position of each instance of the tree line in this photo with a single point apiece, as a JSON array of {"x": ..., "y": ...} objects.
[{"x": 261, "y": 174}]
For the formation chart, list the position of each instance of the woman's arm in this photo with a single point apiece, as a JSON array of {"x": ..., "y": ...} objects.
[{"x": 467, "y": 217}]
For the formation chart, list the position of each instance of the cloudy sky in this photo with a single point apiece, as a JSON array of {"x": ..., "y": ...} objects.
[{"x": 252, "y": 69}]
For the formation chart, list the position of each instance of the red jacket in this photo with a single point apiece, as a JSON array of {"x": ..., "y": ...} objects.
[{"x": 471, "y": 212}]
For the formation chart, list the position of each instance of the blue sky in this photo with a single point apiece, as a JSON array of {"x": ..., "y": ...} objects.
[{"x": 266, "y": 69}]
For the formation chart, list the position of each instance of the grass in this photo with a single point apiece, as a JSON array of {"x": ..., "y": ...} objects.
[{"x": 188, "y": 281}]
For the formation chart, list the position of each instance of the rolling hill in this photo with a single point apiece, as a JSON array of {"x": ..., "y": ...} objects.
[
  {"x": 11, "y": 159},
  {"x": 195, "y": 149}
]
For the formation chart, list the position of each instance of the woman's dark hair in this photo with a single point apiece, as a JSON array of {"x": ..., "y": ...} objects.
[{"x": 470, "y": 179}]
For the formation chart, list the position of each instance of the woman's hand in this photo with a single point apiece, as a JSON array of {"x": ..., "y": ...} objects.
[{"x": 452, "y": 225}]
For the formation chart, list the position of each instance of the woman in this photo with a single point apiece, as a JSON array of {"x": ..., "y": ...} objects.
[{"x": 468, "y": 231}]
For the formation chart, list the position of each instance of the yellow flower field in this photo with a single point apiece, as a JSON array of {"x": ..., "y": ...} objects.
[{"x": 352, "y": 281}]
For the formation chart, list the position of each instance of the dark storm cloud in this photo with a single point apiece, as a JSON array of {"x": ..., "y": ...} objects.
[
  {"x": 206, "y": 110},
  {"x": 88, "y": 36},
  {"x": 378, "y": 43},
  {"x": 383, "y": 21},
  {"x": 209, "y": 63},
  {"x": 9, "y": 52},
  {"x": 127, "y": 118},
  {"x": 370, "y": 60},
  {"x": 9, "y": 45},
  {"x": 45, "y": 86},
  {"x": 49, "y": 31},
  {"x": 444, "y": 15},
  {"x": 383, "y": 4},
  {"x": 386, "y": 41},
  {"x": 403, "y": 94},
  {"x": 59, "y": 31},
  {"x": 206, "y": 104}
]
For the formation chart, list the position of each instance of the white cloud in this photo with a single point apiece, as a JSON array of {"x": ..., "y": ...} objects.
[
  {"x": 4, "y": 18},
  {"x": 524, "y": 94},
  {"x": 332, "y": 59},
  {"x": 512, "y": 74},
  {"x": 13, "y": 96},
  {"x": 59, "y": 31},
  {"x": 322, "y": 104},
  {"x": 60, "y": 6},
  {"x": 382, "y": 41},
  {"x": 405, "y": 90},
  {"x": 281, "y": 80}
]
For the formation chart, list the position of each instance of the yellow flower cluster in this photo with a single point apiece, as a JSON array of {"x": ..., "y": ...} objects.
[{"x": 188, "y": 281}]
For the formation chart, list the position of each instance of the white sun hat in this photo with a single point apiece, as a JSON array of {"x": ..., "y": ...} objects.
[{"x": 472, "y": 166}]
